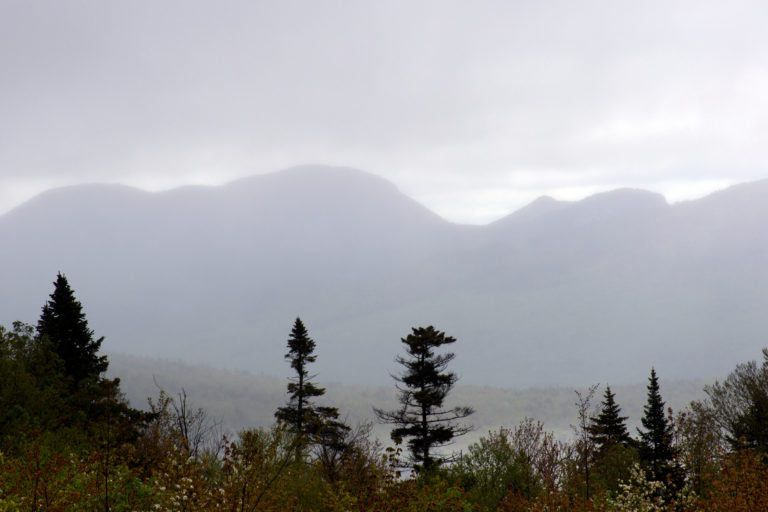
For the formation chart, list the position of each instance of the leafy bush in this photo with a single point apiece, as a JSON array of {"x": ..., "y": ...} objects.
[{"x": 491, "y": 469}]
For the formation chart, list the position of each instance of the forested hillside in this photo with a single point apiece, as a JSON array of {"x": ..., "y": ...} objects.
[
  {"x": 69, "y": 440},
  {"x": 242, "y": 399}
]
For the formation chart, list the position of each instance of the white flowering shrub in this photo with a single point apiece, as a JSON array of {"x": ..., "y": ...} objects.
[{"x": 638, "y": 494}]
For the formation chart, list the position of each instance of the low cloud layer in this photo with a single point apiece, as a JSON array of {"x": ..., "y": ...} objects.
[{"x": 474, "y": 109}]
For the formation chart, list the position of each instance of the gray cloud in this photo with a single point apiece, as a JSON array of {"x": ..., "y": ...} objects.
[{"x": 475, "y": 108}]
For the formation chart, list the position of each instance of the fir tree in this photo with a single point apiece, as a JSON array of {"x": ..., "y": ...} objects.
[
  {"x": 609, "y": 428},
  {"x": 300, "y": 414},
  {"x": 656, "y": 441},
  {"x": 421, "y": 417},
  {"x": 67, "y": 360},
  {"x": 64, "y": 324}
]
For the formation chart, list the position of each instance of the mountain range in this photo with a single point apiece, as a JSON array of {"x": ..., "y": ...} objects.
[{"x": 557, "y": 293}]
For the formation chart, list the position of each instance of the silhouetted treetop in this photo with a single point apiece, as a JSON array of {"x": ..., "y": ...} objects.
[{"x": 65, "y": 325}]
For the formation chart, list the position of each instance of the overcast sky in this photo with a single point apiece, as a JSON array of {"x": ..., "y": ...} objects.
[{"x": 473, "y": 108}]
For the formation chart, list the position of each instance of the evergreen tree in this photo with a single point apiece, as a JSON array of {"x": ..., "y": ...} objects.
[
  {"x": 300, "y": 414},
  {"x": 656, "y": 441},
  {"x": 51, "y": 383},
  {"x": 421, "y": 417},
  {"x": 614, "y": 451},
  {"x": 65, "y": 325},
  {"x": 609, "y": 428}
]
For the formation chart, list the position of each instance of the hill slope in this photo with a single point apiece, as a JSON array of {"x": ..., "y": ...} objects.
[{"x": 558, "y": 293}]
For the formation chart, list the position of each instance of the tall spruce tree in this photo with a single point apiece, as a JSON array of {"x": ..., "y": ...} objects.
[
  {"x": 614, "y": 450},
  {"x": 68, "y": 361},
  {"x": 609, "y": 428},
  {"x": 425, "y": 384},
  {"x": 66, "y": 327},
  {"x": 655, "y": 448},
  {"x": 300, "y": 414}
]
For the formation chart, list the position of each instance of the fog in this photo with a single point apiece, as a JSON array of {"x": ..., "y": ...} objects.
[{"x": 559, "y": 293}]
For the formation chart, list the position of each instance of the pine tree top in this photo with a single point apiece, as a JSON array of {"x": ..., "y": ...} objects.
[
  {"x": 654, "y": 417},
  {"x": 423, "y": 339},
  {"x": 656, "y": 448},
  {"x": 609, "y": 427},
  {"x": 64, "y": 323},
  {"x": 63, "y": 315},
  {"x": 301, "y": 347}
]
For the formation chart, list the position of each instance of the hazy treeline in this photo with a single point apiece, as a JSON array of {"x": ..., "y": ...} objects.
[{"x": 243, "y": 399}]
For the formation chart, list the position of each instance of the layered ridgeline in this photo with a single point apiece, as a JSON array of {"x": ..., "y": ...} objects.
[{"x": 555, "y": 294}]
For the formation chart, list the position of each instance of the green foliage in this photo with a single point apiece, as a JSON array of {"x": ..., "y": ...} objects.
[
  {"x": 8, "y": 506},
  {"x": 272, "y": 469},
  {"x": 491, "y": 470},
  {"x": 438, "y": 496},
  {"x": 51, "y": 383},
  {"x": 71, "y": 442},
  {"x": 32, "y": 388},
  {"x": 614, "y": 466},
  {"x": 261, "y": 467},
  {"x": 421, "y": 417},
  {"x": 43, "y": 477},
  {"x": 739, "y": 405}
]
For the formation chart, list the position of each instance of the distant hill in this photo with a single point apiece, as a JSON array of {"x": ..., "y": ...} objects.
[
  {"x": 245, "y": 400},
  {"x": 558, "y": 293}
]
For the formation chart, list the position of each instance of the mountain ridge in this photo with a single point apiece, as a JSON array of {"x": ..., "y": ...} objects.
[
  {"x": 307, "y": 175},
  {"x": 596, "y": 289}
]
